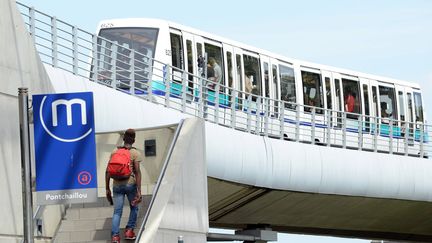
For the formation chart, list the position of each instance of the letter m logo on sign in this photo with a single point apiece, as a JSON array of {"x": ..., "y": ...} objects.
[{"x": 68, "y": 104}]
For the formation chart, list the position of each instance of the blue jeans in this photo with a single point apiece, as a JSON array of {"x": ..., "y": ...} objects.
[{"x": 120, "y": 191}]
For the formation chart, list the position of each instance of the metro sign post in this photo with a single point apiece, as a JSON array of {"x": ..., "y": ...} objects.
[{"x": 65, "y": 148}]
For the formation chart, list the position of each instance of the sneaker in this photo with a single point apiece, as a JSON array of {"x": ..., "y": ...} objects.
[
  {"x": 115, "y": 239},
  {"x": 129, "y": 234}
]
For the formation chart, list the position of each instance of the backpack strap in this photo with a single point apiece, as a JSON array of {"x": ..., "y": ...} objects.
[{"x": 119, "y": 147}]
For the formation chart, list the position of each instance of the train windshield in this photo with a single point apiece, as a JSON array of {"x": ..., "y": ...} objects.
[
  {"x": 142, "y": 40},
  {"x": 115, "y": 59}
]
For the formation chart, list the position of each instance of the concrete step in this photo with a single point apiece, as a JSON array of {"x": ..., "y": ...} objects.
[
  {"x": 19, "y": 239},
  {"x": 86, "y": 236},
  {"x": 92, "y": 222}
]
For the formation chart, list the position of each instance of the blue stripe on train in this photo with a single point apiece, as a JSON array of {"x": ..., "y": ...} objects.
[{"x": 158, "y": 88}]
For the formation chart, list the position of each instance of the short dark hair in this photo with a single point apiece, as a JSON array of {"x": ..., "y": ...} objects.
[{"x": 129, "y": 136}]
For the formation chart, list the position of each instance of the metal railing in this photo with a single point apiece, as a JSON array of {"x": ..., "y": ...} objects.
[{"x": 84, "y": 54}]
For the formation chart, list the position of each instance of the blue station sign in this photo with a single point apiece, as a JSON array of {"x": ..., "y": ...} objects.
[{"x": 65, "y": 148}]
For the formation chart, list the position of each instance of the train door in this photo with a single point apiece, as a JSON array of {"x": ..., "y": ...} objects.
[
  {"x": 252, "y": 78},
  {"x": 216, "y": 98},
  {"x": 177, "y": 60},
  {"x": 253, "y": 89},
  {"x": 313, "y": 98},
  {"x": 288, "y": 90},
  {"x": 239, "y": 85},
  {"x": 176, "y": 71},
  {"x": 252, "y": 74},
  {"x": 353, "y": 109},
  {"x": 388, "y": 117}
]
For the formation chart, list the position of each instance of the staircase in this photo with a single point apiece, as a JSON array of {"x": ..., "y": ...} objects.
[{"x": 91, "y": 222}]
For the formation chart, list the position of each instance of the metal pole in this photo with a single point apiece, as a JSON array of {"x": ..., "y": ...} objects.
[
  {"x": 313, "y": 126},
  {"x": 75, "y": 49},
  {"x": 329, "y": 126},
  {"x": 25, "y": 165},
  {"x": 282, "y": 118},
  {"x": 344, "y": 129},
  {"x": 233, "y": 108},
  {"x": 54, "y": 42},
  {"x": 297, "y": 128},
  {"x": 360, "y": 132}
]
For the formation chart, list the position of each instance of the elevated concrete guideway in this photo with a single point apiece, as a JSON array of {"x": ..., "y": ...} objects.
[
  {"x": 314, "y": 189},
  {"x": 251, "y": 181}
]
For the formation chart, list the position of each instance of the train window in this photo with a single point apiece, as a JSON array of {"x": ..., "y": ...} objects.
[
  {"x": 375, "y": 100},
  {"x": 275, "y": 89},
  {"x": 239, "y": 73},
  {"x": 176, "y": 56},
  {"x": 176, "y": 51},
  {"x": 351, "y": 96},
  {"x": 200, "y": 59},
  {"x": 401, "y": 106},
  {"x": 287, "y": 85},
  {"x": 190, "y": 62},
  {"x": 230, "y": 69},
  {"x": 312, "y": 95},
  {"x": 338, "y": 96},
  {"x": 199, "y": 49},
  {"x": 328, "y": 93},
  {"x": 142, "y": 40},
  {"x": 275, "y": 82},
  {"x": 418, "y": 107},
  {"x": 366, "y": 106},
  {"x": 366, "y": 99},
  {"x": 215, "y": 62},
  {"x": 266, "y": 80},
  {"x": 387, "y": 102},
  {"x": 410, "y": 110},
  {"x": 252, "y": 75}
]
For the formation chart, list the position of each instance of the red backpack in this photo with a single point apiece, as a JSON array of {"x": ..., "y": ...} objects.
[{"x": 119, "y": 166}]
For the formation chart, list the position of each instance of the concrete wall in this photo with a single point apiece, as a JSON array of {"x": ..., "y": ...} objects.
[
  {"x": 20, "y": 66},
  {"x": 285, "y": 165},
  {"x": 150, "y": 166},
  {"x": 180, "y": 205}
]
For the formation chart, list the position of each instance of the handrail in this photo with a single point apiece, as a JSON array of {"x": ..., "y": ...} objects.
[
  {"x": 160, "y": 178},
  {"x": 67, "y": 47},
  {"x": 36, "y": 215}
]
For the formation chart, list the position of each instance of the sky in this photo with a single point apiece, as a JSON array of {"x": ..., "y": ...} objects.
[{"x": 391, "y": 38}]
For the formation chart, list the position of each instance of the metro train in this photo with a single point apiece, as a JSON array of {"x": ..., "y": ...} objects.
[{"x": 337, "y": 102}]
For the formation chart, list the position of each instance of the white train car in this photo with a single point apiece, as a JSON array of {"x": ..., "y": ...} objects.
[{"x": 387, "y": 114}]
